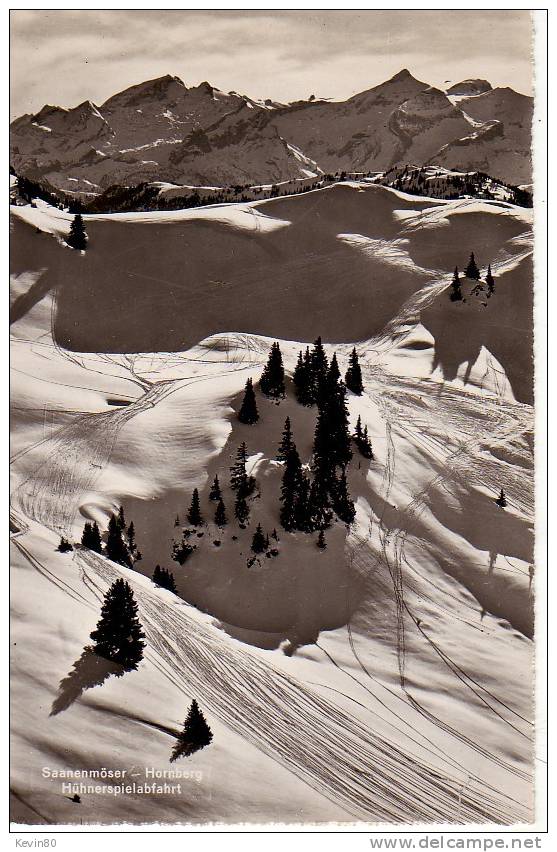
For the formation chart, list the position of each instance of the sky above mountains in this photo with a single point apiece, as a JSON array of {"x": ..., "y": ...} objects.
[{"x": 67, "y": 56}]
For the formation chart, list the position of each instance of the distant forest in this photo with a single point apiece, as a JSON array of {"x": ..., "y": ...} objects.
[{"x": 423, "y": 181}]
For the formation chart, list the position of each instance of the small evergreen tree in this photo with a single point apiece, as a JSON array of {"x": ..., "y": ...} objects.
[
  {"x": 272, "y": 379},
  {"x": 286, "y": 442},
  {"x": 116, "y": 549},
  {"x": 258, "y": 543},
  {"x": 353, "y": 377},
  {"x": 501, "y": 500},
  {"x": 361, "y": 439},
  {"x": 239, "y": 479},
  {"x": 77, "y": 238},
  {"x": 321, "y": 543},
  {"x": 195, "y": 735},
  {"x": 289, "y": 489},
  {"x": 86, "y": 535},
  {"x": 456, "y": 292},
  {"x": 177, "y": 521},
  {"x": 301, "y": 379},
  {"x": 248, "y": 411},
  {"x": 215, "y": 492},
  {"x": 64, "y": 545},
  {"x": 342, "y": 504},
  {"x": 241, "y": 508},
  {"x": 319, "y": 362},
  {"x": 118, "y": 635},
  {"x": 194, "y": 513},
  {"x": 121, "y": 518},
  {"x": 490, "y": 281},
  {"x": 302, "y": 517},
  {"x": 319, "y": 509},
  {"x": 472, "y": 270},
  {"x": 96, "y": 543},
  {"x": 131, "y": 538},
  {"x": 220, "y": 514}
]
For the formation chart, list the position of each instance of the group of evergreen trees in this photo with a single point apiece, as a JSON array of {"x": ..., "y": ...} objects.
[
  {"x": 473, "y": 273},
  {"x": 308, "y": 504},
  {"x": 240, "y": 482},
  {"x": 310, "y": 374},
  {"x": 310, "y": 495},
  {"x": 118, "y": 637},
  {"x": 164, "y": 578},
  {"x": 91, "y": 537},
  {"x": 120, "y": 542}
]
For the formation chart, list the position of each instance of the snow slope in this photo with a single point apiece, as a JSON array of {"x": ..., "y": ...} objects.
[{"x": 386, "y": 679}]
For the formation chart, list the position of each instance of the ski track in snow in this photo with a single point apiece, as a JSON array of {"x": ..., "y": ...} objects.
[{"x": 316, "y": 739}]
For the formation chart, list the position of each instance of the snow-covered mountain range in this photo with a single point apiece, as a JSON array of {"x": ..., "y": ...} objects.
[{"x": 162, "y": 130}]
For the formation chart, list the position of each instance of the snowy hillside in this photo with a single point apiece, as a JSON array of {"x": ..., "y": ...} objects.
[{"x": 385, "y": 679}]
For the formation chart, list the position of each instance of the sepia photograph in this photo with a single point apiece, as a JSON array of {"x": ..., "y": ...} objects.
[{"x": 274, "y": 557}]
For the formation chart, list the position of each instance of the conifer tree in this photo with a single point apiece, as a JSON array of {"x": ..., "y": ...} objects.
[
  {"x": 194, "y": 513},
  {"x": 300, "y": 379},
  {"x": 116, "y": 549},
  {"x": 319, "y": 362},
  {"x": 353, "y": 377},
  {"x": 286, "y": 442},
  {"x": 472, "y": 270},
  {"x": 361, "y": 439},
  {"x": 259, "y": 542},
  {"x": 220, "y": 514},
  {"x": 248, "y": 411},
  {"x": 239, "y": 479},
  {"x": 490, "y": 281},
  {"x": 289, "y": 489},
  {"x": 118, "y": 635},
  {"x": 304, "y": 378},
  {"x": 121, "y": 518},
  {"x": 96, "y": 543},
  {"x": 215, "y": 492},
  {"x": 241, "y": 508},
  {"x": 342, "y": 504},
  {"x": 77, "y": 238},
  {"x": 131, "y": 538},
  {"x": 319, "y": 510},
  {"x": 321, "y": 543},
  {"x": 456, "y": 293},
  {"x": 272, "y": 379},
  {"x": 177, "y": 521},
  {"x": 86, "y": 535},
  {"x": 501, "y": 500},
  {"x": 331, "y": 446},
  {"x": 195, "y": 735},
  {"x": 302, "y": 519},
  {"x": 64, "y": 545}
]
